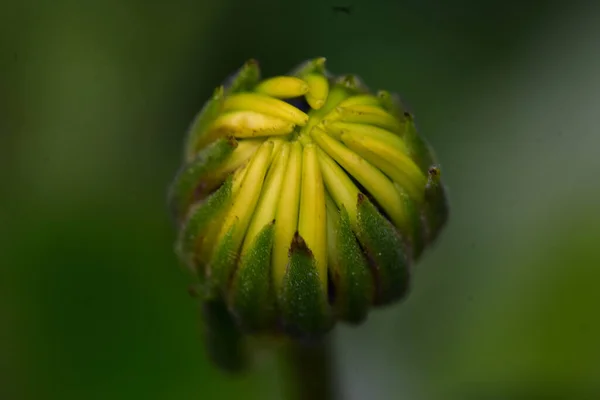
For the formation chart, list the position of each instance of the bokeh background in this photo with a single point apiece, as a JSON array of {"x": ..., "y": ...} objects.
[{"x": 95, "y": 97}]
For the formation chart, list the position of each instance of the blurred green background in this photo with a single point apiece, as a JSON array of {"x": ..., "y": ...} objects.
[{"x": 95, "y": 97}]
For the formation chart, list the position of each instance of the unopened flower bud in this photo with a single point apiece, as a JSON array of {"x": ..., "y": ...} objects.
[{"x": 304, "y": 199}]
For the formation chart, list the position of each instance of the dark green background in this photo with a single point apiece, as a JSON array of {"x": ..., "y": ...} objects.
[{"x": 95, "y": 97}]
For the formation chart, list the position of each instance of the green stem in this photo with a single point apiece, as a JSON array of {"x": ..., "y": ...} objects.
[{"x": 311, "y": 373}]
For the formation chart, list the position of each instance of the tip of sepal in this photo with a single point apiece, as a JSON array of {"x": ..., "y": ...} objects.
[
  {"x": 218, "y": 92},
  {"x": 312, "y": 66},
  {"x": 361, "y": 198},
  {"x": 433, "y": 175},
  {"x": 303, "y": 304},
  {"x": 243, "y": 79},
  {"x": 320, "y": 61},
  {"x": 298, "y": 245},
  {"x": 352, "y": 83}
]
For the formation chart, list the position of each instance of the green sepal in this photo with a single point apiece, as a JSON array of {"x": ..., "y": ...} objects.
[
  {"x": 201, "y": 216},
  {"x": 222, "y": 263},
  {"x": 302, "y": 302},
  {"x": 198, "y": 133},
  {"x": 434, "y": 212},
  {"x": 385, "y": 250},
  {"x": 244, "y": 79},
  {"x": 252, "y": 295},
  {"x": 194, "y": 181},
  {"x": 392, "y": 104},
  {"x": 419, "y": 150},
  {"x": 224, "y": 341},
  {"x": 353, "y": 281},
  {"x": 414, "y": 231},
  {"x": 313, "y": 66},
  {"x": 435, "y": 206}
]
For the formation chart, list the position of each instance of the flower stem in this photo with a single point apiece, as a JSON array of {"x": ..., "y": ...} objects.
[{"x": 311, "y": 371}]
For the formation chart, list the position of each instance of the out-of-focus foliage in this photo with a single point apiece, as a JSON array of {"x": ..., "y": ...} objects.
[{"x": 95, "y": 98}]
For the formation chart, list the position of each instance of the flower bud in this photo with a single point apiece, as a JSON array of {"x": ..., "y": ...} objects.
[{"x": 304, "y": 199}]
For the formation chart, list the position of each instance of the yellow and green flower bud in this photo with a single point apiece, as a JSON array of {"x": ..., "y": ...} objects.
[{"x": 303, "y": 200}]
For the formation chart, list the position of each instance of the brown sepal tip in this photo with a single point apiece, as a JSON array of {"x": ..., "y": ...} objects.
[
  {"x": 299, "y": 245},
  {"x": 361, "y": 198},
  {"x": 434, "y": 173},
  {"x": 232, "y": 141}
]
